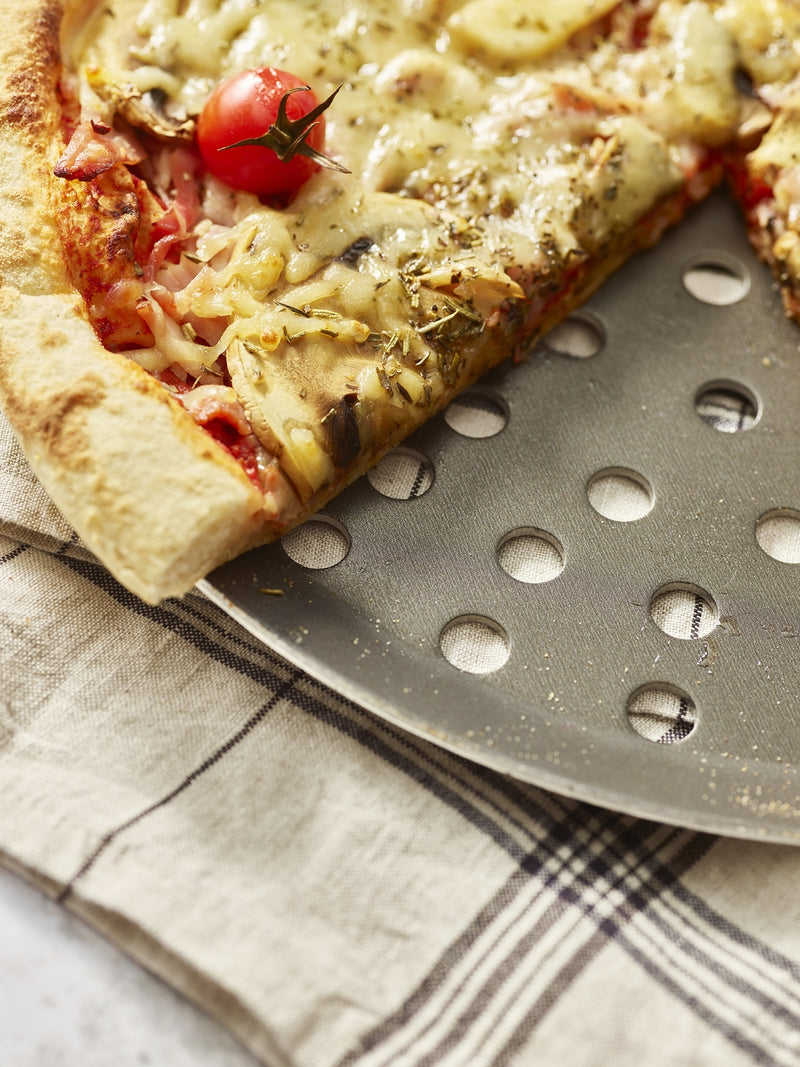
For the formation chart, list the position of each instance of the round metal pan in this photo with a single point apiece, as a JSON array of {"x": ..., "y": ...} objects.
[{"x": 589, "y": 585}]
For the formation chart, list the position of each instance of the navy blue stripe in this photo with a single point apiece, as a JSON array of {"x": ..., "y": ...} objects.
[
  {"x": 686, "y": 934},
  {"x": 581, "y": 858},
  {"x": 720, "y": 925},
  {"x": 654, "y": 883},
  {"x": 166, "y": 616},
  {"x": 549, "y": 998},
  {"x": 472, "y": 1011},
  {"x": 689, "y": 935},
  {"x": 501, "y": 901},
  {"x": 190, "y": 778},
  {"x": 363, "y": 730},
  {"x": 13, "y": 554},
  {"x": 659, "y": 880},
  {"x": 360, "y": 727},
  {"x": 630, "y": 839},
  {"x": 698, "y": 963},
  {"x": 71, "y": 541},
  {"x": 557, "y": 831},
  {"x": 724, "y": 1027},
  {"x": 697, "y": 615},
  {"x": 207, "y": 613},
  {"x": 713, "y": 979}
]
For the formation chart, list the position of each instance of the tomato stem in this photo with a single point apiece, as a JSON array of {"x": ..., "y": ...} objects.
[{"x": 288, "y": 137}]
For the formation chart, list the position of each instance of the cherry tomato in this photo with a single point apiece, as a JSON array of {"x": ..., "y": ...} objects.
[{"x": 245, "y": 106}]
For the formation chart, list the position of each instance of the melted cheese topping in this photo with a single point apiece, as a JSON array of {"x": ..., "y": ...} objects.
[
  {"x": 767, "y": 33},
  {"x": 495, "y": 145},
  {"x": 437, "y": 103},
  {"x": 768, "y": 36}
]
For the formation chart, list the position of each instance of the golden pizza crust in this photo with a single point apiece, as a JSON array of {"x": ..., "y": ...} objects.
[{"x": 146, "y": 489}]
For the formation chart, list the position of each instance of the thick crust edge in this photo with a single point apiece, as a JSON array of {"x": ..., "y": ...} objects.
[{"x": 155, "y": 499}]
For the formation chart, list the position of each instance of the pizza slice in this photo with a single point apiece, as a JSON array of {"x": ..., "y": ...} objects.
[
  {"x": 195, "y": 363},
  {"x": 764, "y": 160}
]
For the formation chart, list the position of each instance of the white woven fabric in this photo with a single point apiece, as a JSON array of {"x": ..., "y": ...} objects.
[{"x": 339, "y": 893}]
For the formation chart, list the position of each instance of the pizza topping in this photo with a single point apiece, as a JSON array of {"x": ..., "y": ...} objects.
[
  {"x": 495, "y": 155},
  {"x": 287, "y": 137},
  {"x": 147, "y": 111},
  {"x": 95, "y": 147},
  {"x": 506, "y": 32},
  {"x": 183, "y": 211},
  {"x": 779, "y": 149},
  {"x": 353, "y": 253},
  {"x": 263, "y": 131},
  {"x": 768, "y": 36},
  {"x": 340, "y": 426},
  {"x": 767, "y": 183},
  {"x": 208, "y": 402}
]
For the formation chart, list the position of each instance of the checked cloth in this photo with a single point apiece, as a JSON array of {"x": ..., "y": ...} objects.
[{"x": 337, "y": 892}]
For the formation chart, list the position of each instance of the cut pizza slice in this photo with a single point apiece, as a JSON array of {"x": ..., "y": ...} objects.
[
  {"x": 764, "y": 160},
  {"x": 193, "y": 368}
]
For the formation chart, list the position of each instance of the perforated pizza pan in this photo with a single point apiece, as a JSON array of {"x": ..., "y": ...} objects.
[{"x": 575, "y": 575}]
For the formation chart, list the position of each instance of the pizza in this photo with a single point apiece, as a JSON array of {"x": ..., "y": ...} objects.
[
  {"x": 764, "y": 161},
  {"x": 248, "y": 247}
]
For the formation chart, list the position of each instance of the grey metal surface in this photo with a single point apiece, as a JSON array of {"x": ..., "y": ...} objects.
[{"x": 579, "y": 645}]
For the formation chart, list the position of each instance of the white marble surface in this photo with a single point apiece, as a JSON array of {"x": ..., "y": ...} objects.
[{"x": 70, "y": 999}]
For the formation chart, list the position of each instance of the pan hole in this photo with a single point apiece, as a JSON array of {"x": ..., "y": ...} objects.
[
  {"x": 620, "y": 494},
  {"x": 727, "y": 407},
  {"x": 661, "y": 713},
  {"x": 719, "y": 279},
  {"x": 684, "y": 611},
  {"x": 476, "y": 413},
  {"x": 531, "y": 555},
  {"x": 319, "y": 543},
  {"x": 402, "y": 474},
  {"x": 579, "y": 336},
  {"x": 474, "y": 644},
  {"x": 778, "y": 534}
]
